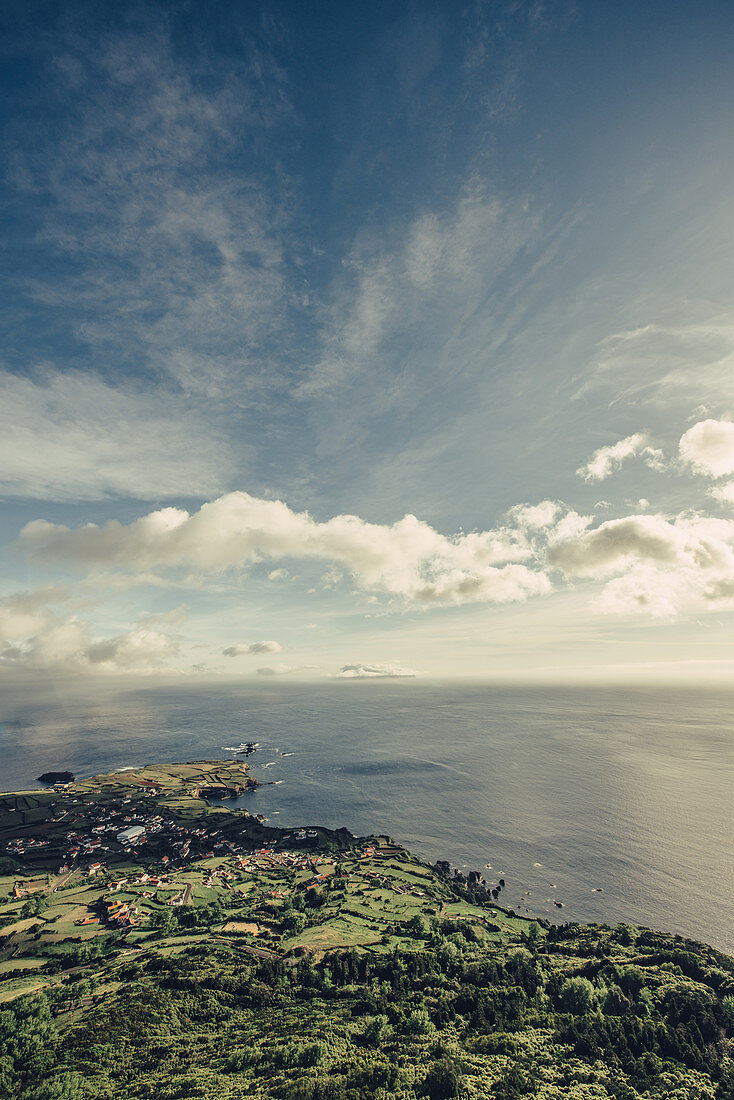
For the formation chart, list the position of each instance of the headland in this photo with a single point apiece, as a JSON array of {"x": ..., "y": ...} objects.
[{"x": 160, "y": 944}]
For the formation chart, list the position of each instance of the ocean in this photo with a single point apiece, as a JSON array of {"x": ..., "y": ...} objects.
[{"x": 616, "y": 802}]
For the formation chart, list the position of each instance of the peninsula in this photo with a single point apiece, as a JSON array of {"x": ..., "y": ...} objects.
[{"x": 155, "y": 944}]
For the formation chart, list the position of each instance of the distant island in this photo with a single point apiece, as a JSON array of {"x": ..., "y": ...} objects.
[{"x": 153, "y": 944}]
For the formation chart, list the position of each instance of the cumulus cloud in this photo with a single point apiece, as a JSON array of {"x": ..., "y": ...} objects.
[
  {"x": 724, "y": 493},
  {"x": 653, "y": 564},
  {"x": 23, "y": 614},
  {"x": 41, "y": 629},
  {"x": 66, "y": 643},
  {"x": 606, "y": 460},
  {"x": 708, "y": 447},
  {"x": 374, "y": 672},
  {"x": 407, "y": 559},
  {"x": 597, "y": 552},
  {"x": 246, "y": 648},
  {"x": 137, "y": 649}
]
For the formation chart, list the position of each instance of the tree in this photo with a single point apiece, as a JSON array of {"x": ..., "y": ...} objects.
[
  {"x": 577, "y": 996},
  {"x": 34, "y": 906},
  {"x": 418, "y": 1023},
  {"x": 514, "y": 1085},
  {"x": 375, "y": 1030},
  {"x": 418, "y": 926},
  {"x": 294, "y": 922},
  {"x": 443, "y": 1081}
]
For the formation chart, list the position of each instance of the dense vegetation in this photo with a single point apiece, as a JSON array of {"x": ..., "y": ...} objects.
[
  {"x": 571, "y": 1012},
  {"x": 319, "y": 967}
]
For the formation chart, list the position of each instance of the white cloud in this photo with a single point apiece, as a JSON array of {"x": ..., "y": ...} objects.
[
  {"x": 101, "y": 441},
  {"x": 374, "y": 672},
  {"x": 674, "y": 365},
  {"x": 709, "y": 447},
  {"x": 407, "y": 559},
  {"x": 606, "y": 460},
  {"x": 42, "y": 629},
  {"x": 600, "y": 551},
  {"x": 653, "y": 564},
  {"x": 535, "y": 516},
  {"x": 440, "y": 263},
  {"x": 138, "y": 649},
  {"x": 176, "y": 254},
  {"x": 66, "y": 643},
  {"x": 724, "y": 493},
  {"x": 252, "y": 647},
  {"x": 23, "y": 614},
  {"x": 281, "y": 670}
]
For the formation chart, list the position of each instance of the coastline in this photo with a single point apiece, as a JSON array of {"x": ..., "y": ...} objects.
[{"x": 170, "y": 905}]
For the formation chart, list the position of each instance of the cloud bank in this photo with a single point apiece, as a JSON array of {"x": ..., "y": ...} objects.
[
  {"x": 408, "y": 559},
  {"x": 653, "y": 564},
  {"x": 36, "y": 632}
]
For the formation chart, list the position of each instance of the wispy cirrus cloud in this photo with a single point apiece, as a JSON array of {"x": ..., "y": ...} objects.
[
  {"x": 167, "y": 242},
  {"x": 681, "y": 364},
  {"x": 69, "y": 436},
  {"x": 439, "y": 266}
]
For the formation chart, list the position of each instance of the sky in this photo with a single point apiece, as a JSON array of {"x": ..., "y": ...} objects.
[{"x": 348, "y": 341}]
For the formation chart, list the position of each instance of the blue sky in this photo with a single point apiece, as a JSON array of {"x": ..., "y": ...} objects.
[{"x": 279, "y": 276}]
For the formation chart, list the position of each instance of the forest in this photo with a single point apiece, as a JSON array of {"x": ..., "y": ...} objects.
[{"x": 447, "y": 1009}]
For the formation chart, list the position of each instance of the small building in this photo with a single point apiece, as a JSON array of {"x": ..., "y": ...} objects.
[{"x": 131, "y": 834}]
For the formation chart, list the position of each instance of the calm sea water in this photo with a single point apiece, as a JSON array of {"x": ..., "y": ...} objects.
[{"x": 562, "y": 791}]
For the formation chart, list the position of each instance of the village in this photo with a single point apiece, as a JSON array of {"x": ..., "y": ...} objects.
[{"x": 141, "y": 863}]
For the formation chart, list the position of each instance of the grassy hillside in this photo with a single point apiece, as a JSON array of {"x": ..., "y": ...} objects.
[{"x": 305, "y": 965}]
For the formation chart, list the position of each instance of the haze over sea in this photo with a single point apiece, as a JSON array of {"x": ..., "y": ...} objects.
[{"x": 563, "y": 791}]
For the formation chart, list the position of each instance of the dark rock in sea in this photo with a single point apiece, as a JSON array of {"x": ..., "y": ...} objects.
[
  {"x": 558, "y": 904},
  {"x": 56, "y": 777},
  {"x": 222, "y": 792}
]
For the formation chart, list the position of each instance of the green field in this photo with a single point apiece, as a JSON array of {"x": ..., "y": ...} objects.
[{"x": 326, "y": 968}]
